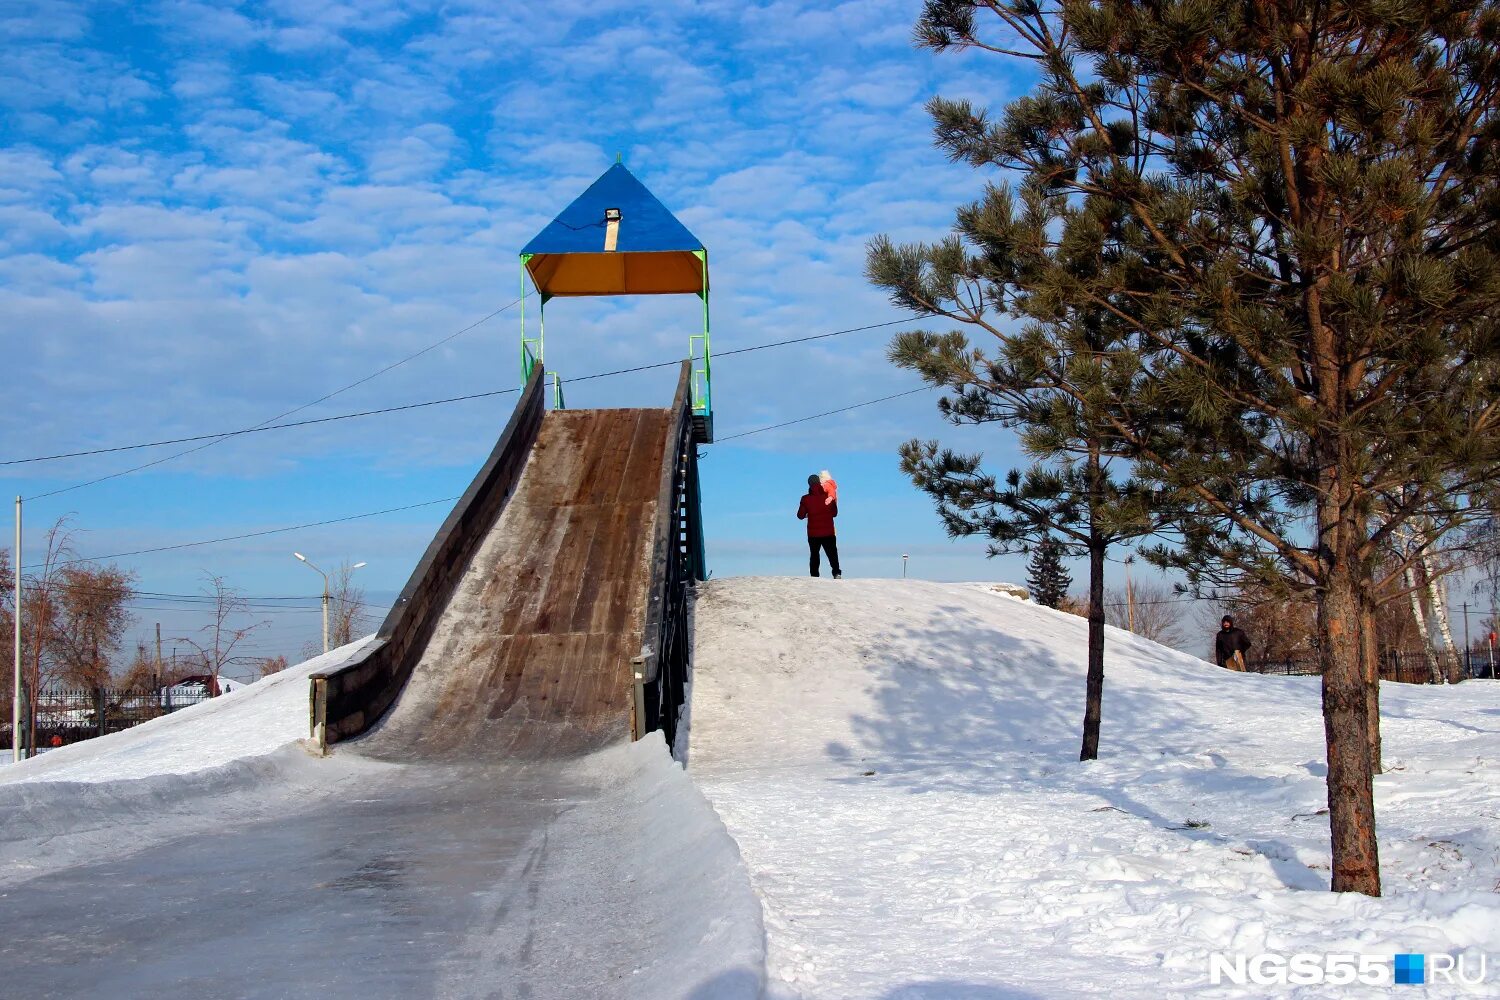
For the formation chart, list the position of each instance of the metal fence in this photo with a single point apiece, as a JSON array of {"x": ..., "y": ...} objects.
[
  {"x": 68, "y": 715},
  {"x": 1405, "y": 666}
]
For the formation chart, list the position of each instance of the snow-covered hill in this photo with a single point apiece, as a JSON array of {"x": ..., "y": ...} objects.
[
  {"x": 898, "y": 761},
  {"x": 249, "y": 721}
]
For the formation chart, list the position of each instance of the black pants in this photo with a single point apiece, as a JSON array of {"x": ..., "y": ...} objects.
[{"x": 827, "y": 543}]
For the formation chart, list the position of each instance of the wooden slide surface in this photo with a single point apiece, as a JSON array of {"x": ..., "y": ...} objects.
[{"x": 531, "y": 658}]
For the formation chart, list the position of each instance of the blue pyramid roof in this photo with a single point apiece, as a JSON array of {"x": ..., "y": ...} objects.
[{"x": 652, "y": 254}]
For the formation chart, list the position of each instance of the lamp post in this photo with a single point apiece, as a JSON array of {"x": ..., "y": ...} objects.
[{"x": 324, "y": 575}]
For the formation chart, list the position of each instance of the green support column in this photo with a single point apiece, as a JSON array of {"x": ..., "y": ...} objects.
[
  {"x": 703, "y": 399},
  {"x": 529, "y": 358}
]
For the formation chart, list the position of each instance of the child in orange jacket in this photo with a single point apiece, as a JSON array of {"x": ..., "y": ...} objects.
[{"x": 830, "y": 488}]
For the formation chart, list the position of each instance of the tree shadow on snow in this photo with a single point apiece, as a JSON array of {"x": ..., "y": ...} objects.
[{"x": 981, "y": 711}]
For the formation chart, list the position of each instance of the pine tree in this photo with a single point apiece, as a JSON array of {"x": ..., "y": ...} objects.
[
  {"x": 1046, "y": 578},
  {"x": 1292, "y": 209},
  {"x": 1052, "y": 378}
]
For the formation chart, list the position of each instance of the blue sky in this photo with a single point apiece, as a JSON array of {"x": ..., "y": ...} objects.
[{"x": 213, "y": 213}]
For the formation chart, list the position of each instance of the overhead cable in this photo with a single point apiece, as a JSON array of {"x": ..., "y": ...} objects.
[
  {"x": 826, "y": 413},
  {"x": 428, "y": 503},
  {"x": 252, "y": 534},
  {"x": 281, "y": 416},
  {"x": 217, "y": 436}
]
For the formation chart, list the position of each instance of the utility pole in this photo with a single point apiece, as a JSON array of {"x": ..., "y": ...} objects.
[
  {"x": 1494, "y": 623},
  {"x": 17, "y": 699},
  {"x": 158, "y": 654},
  {"x": 903, "y": 565},
  {"x": 1129, "y": 594}
]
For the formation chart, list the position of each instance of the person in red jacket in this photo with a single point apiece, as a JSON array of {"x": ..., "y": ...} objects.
[{"x": 819, "y": 513}]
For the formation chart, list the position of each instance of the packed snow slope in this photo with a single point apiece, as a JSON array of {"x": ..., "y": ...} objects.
[{"x": 898, "y": 762}]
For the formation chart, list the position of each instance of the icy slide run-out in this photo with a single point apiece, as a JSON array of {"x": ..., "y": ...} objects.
[{"x": 496, "y": 835}]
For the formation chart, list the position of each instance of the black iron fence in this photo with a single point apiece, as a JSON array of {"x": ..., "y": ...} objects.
[
  {"x": 1405, "y": 666},
  {"x": 68, "y": 715}
]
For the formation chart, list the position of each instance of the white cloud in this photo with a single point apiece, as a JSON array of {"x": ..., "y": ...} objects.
[
  {"x": 34, "y": 20},
  {"x": 22, "y": 227},
  {"x": 415, "y": 156},
  {"x": 271, "y": 200},
  {"x": 32, "y": 273},
  {"x": 27, "y": 174}
]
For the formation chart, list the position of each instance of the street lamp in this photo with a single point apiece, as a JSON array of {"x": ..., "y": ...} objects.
[{"x": 324, "y": 575}]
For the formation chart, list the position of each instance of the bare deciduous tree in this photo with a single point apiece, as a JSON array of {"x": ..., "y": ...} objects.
[
  {"x": 7, "y": 637},
  {"x": 39, "y": 615},
  {"x": 345, "y": 604},
  {"x": 142, "y": 674},
  {"x": 215, "y": 641},
  {"x": 1158, "y": 613},
  {"x": 272, "y": 665},
  {"x": 91, "y": 619}
]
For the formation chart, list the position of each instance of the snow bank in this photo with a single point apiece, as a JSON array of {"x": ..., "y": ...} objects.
[
  {"x": 693, "y": 929},
  {"x": 251, "y": 720},
  {"x": 898, "y": 762},
  {"x": 200, "y": 769},
  {"x": 47, "y": 826}
]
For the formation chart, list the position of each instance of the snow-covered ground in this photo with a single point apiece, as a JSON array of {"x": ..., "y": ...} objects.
[
  {"x": 224, "y": 860},
  {"x": 202, "y": 768},
  {"x": 898, "y": 762}
]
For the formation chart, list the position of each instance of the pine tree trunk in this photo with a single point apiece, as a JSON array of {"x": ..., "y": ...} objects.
[
  {"x": 1351, "y": 790},
  {"x": 1437, "y": 599},
  {"x": 1094, "y": 697},
  {"x": 1369, "y": 648}
]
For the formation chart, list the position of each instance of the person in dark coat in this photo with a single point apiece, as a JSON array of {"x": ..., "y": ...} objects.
[
  {"x": 1230, "y": 645},
  {"x": 819, "y": 514}
]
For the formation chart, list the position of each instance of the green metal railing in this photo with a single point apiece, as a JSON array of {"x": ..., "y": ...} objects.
[
  {"x": 532, "y": 348},
  {"x": 702, "y": 386},
  {"x": 702, "y": 382}
]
